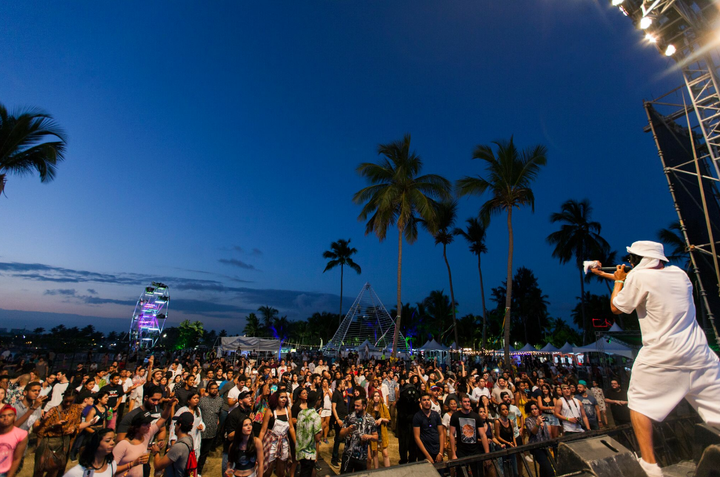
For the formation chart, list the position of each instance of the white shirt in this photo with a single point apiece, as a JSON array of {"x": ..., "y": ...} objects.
[
  {"x": 57, "y": 395},
  {"x": 234, "y": 393},
  {"x": 571, "y": 408},
  {"x": 80, "y": 471},
  {"x": 663, "y": 299},
  {"x": 477, "y": 392}
]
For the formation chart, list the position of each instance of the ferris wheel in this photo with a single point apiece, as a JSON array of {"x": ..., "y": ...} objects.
[{"x": 149, "y": 317}]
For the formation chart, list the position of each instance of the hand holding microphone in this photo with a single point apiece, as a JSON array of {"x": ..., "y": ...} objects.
[{"x": 618, "y": 272}]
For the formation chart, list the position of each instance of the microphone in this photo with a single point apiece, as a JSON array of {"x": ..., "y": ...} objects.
[
  {"x": 592, "y": 264},
  {"x": 612, "y": 269}
]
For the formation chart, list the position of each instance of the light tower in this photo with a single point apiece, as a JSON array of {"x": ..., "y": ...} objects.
[{"x": 149, "y": 317}]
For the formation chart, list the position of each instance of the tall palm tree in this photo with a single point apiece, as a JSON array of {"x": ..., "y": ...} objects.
[
  {"x": 579, "y": 238},
  {"x": 340, "y": 254},
  {"x": 509, "y": 175},
  {"x": 30, "y": 141},
  {"x": 398, "y": 195},
  {"x": 268, "y": 314},
  {"x": 252, "y": 325},
  {"x": 674, "y": 239},
  {"x": 474, "y": 235},
  {"x": 445, "y": 217}
]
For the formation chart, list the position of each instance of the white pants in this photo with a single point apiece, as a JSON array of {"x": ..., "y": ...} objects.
[{"x": 654, "y": 392}]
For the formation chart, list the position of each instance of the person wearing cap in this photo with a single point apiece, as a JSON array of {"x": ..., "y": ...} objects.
[
  {"x": 234, "y": 422},
  {"x": 131, "y": 452},
  {"x": 177, "y": 456},
  {"x": 675, "y": 361},
  {"x": 13, "y": 441},
  {"x": 592, "y": 411}
]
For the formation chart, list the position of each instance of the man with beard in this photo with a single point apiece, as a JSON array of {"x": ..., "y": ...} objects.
[
  {"x": 358, "y": 430},
  {"x": 428, "y": 431},
  {"x": 210, "y": 406}
]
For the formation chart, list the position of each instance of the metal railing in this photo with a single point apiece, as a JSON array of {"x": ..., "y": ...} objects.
[{"x": 672, "y": 440}]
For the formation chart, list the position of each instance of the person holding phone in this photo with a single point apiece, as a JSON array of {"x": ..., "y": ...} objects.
[{"x": 359, "y": 429}]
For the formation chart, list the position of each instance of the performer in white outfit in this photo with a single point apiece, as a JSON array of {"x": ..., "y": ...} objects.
[{"x": 675, "y": 361}]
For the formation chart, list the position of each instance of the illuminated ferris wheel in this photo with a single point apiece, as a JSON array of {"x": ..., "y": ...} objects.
[{"x": 149, "y": 317}]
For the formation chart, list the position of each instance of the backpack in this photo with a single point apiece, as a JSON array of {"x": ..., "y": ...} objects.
[{"x": 191, "y": 464}]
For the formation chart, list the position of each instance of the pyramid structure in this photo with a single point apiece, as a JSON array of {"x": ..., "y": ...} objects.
[{"x": 367, "y": 320}]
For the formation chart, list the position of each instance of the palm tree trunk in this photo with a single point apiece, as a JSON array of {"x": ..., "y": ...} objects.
[
  {"x": 452, "y": 296},
  {"x": 482, "y": 294},
  {"x": 586, "y": 323},
  {"x": 508, "y": 297},
  {"x": 340, "y": 318},
  {"x": 399, "y": 297}
]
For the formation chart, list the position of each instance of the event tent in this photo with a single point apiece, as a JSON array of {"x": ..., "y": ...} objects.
[
  {"x": 528, "y": 348},
  {"x": 607, "y": 346},
  {"x": 244, "y": 343},
  {"x": 433, "y": 345},
  {"x": 567, "y": 348},
  {"x": 549, "y": 348},
  {"x": 366, "y": 345},
  {"x": 502, "y": 350},
  {"x": 615, "y": 328}
]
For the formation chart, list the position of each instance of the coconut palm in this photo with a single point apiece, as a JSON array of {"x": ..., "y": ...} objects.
[
  {"x": 252, "y": 325},
  {"x": 578, "y": 238},
  {"x": 30, "y": 141},
  {"x": 445, "y": 217},
  {"x": 674, "y": 240},
  {"x": 509, "y": 175},
  {"x": 398, "y": 195},
  {"x": 474, "y": 235},
  {"x": 339, "y": 254},
  {"x": 268, "y": 314}
]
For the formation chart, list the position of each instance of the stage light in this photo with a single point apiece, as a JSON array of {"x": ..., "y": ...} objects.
[
  {"x": 645, "y": 23},
  {"x": 670, "y": 50},
  {"x": 615, "y": 3},
  {"x": 651, "y": 38},
  {"x": 624, "y": 12}
]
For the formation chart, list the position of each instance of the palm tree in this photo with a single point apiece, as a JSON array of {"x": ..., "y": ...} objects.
[
  {"x": 268, "y": 314},
  {"x": 445, "y": 217},
  {"x": 578, "y": 238},
  {"x": 29, "y": 141},
  {"x": 474, "y": 235},
  {"x": 339, "y": 254},
  {"x": 673, "y": 238},
  {"x": 252, "y": 325},
  {"x": 398, "y": 195},
  {"x": 510, "y": 174}
]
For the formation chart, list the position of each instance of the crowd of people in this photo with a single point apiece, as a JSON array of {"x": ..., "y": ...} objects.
[{"x": 167, "y": 414}]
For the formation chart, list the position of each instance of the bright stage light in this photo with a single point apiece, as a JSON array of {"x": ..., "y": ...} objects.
[
  {"x": 615, "y": 3},
  {"x": 651, "y": 38},
  {"x": 670, "y": 50},
  {"x": 645, "y": 23},
  {"x": 624, "y": 12}
]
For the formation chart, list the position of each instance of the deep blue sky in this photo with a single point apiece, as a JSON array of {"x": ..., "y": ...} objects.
[{"x": 208, "y": 136}]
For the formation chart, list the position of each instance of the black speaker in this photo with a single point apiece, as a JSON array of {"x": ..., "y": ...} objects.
[
  {"x": 597, "y": 456},
  {"x": 705, "y": 436}
]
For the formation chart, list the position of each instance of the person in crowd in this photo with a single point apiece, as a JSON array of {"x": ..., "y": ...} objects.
[
  {"x": 174, "y": 462},
  {"x": 234, "y": 422},
  {"x": 358, "y": 430},
  {"x": 13, "y": 441},
  {"x": 380, "y": 412},
  {"x": 96, "y": 457},
  {"x": 597, "y": 392},
  {"x": 308, "y": 429},
  {"x": 183, "y": 393},
  {"x": 537, "y": 431},
  {"x": 245, "y": 454},
  {"x": 571, "y": 412},
  {"x": 195, "y": 432},
  {"x": 429, "y": 431},
  {"x": 29, "y": 409},
  {"x": 58, "y": 390},
  {"x": 617, "y": 399},
  {"x": 276, "y": 432},
  {"x": 505, "y": 430},
  {"x": 326, "y": 411},
  {"x": 592, "y": 411},
  {"x": 546, "y": 404},
  {"x": 393, "y": 389},
  {"x": 407, "y": 406},
  {"x": 210, "y": 406},
  {"x": 55, "y": 432},
  {"x": 340, "y": 412},
  {"x": 466, "y": 436},
  {"x": 452, "y": 406}
]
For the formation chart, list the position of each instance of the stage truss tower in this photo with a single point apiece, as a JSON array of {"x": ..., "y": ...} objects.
[
  {"x": 367, "y": 319},
  {"x": 689, "y": 32},
  {"x": 149, "y": 317}
]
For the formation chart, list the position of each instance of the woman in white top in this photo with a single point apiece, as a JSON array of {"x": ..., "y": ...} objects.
[
  {"x": 96, "y": 458},
  {"x": 198, "y": 425},
  {"x": 452, "y": 407}
]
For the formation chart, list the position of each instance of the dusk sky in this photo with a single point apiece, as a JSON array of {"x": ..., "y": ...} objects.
[{"x": 213, "y": 146}]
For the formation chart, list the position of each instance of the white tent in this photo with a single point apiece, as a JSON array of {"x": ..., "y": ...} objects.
[
  {"x": 528, "y": 348},
  {"x": 244, "y": 343},
  {"x": 502, "y": 350},
  {"x": 433, "y": 345},
  {"x": 607, "y": 346},
  {"x": 548, "y": 348},
  {"x": 567, "y": 348},
  {"x": 366, "y": 346},
  {"x": 614, "y": 328}
]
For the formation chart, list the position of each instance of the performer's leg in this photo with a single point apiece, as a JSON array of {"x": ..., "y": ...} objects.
[{"x": 642, "y": 425}]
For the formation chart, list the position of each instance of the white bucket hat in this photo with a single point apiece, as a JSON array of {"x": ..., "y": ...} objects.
[{"x": 649, "y": 249}]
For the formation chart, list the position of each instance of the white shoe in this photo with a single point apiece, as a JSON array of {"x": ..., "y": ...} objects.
[{"x": 652, "y": 470}]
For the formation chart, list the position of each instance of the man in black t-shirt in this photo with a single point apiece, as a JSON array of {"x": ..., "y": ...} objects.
[
  {"x": 115, "y": 392},
  {"x": 428, "y": 431},
  {"x": 187, "y": 390},
  {"x": 465, "y": 429},
  {"x": 617, "y": 399},
  {"x": 339, "y": 412}
]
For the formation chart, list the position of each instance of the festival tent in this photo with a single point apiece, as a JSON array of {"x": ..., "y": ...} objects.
[
  {"x": 244, "y": 343},
  {"x": 433, "y": 345},
  {"x": 528, "y": 348},
  {"x": 607, "y": 346},
  {"x": 502, "y": 350},
  {"x": 549, "y": 348},
  {"x": 366, "y": 345},
  {"x": 567, "y": 348},
  {"x": 615, "y": 328}
]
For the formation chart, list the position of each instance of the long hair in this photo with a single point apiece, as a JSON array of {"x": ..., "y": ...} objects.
[
  {"x": 234, "y": 451},
  {"x": 87, "y": 455},
  {"x": 274, "y": 401}
]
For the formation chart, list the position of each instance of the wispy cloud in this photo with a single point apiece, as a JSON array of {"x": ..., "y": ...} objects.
[
  {"x": 237, "y": 263},
  {"x": 92, "y": 291},
  {"x": 65, "y": 292},
  {"x": 255, "y": 252}
]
